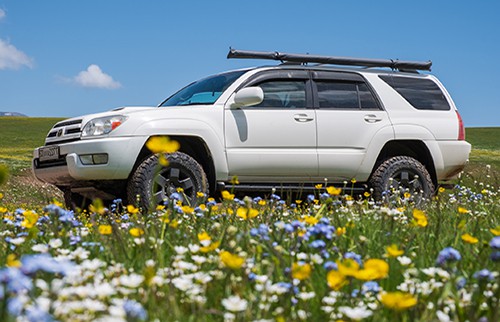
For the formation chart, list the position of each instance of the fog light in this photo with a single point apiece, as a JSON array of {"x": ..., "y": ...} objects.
[
  {"x": 100, "y": 158},
  {"x": 89, "y": 159}
]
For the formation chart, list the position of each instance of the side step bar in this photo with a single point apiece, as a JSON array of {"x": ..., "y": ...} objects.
[{"x": 263, "y": 187}]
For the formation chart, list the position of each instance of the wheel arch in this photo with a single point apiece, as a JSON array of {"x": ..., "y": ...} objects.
[
  {"x": 193, "y": 146},
  {"x": 416, "y": 149}
]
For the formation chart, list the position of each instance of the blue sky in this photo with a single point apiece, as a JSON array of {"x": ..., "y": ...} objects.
[{"x": 67, "y": 58}]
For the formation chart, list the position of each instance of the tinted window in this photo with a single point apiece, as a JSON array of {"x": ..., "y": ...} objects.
[
  {"x": 423, "y": 94},
  {"x": 345, "y": 95},
  {"x": 205, "y": 91},
  {"x": 283, "y": 94}
]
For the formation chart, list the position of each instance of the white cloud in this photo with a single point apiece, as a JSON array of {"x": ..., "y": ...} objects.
[
  {"x": 13, "y": 58},
  {"x": 95, "y": 77},
  {"x": 2, "y": 14}
]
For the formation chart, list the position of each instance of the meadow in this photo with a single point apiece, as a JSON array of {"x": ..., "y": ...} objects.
[{"x": 331, "y": 256}]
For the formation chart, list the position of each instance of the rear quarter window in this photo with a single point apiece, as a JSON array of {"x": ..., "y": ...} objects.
[{"x": 422, "y": 94}]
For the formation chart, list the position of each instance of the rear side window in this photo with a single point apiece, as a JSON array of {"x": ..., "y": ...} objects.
[
  {"x": 344, "y": 95},
  {"x": 422, "y": 94}
]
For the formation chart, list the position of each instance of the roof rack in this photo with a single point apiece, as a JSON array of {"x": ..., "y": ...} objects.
[{"x": 401, "y": 65}]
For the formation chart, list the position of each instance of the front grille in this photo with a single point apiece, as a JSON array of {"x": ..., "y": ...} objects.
[
  {"x": 52, "y": 163},
  {"x": 64, "y": 132}
]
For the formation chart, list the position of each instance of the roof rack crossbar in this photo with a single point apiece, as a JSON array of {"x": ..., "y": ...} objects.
[{"x": 334, "y": 60}]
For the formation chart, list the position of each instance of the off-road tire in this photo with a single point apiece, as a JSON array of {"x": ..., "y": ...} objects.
[
  {"x": 401, "y": 172},
  {"x": 151, "y": 183}
]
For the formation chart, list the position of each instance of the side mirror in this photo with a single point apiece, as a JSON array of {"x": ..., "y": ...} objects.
[{"x": 248, "y": 96}]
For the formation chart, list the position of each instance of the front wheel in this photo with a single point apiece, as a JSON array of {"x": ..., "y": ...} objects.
[
  {"x": 403, "y": 176},
  {"x": 151, "y": 184}
]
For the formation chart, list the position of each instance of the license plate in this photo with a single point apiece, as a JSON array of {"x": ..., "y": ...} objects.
[{"x": 48, "y": 153}]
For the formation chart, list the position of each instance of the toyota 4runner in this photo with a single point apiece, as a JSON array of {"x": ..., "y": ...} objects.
[{"x": 291, "y": 125}]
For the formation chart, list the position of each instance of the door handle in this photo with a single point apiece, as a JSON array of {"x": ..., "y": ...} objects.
[
  {"x": 371, "y": 118},
  {"x": 303, "y": 118}
]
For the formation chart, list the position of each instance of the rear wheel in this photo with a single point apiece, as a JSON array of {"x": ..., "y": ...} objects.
[
  {"x": 402, "y": 175},
  {"x": 151, "y": 184}
]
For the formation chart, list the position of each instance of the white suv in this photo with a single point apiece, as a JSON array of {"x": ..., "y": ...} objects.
[{"x": 290, "y": 125}]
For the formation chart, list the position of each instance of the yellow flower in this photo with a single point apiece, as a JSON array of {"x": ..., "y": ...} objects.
[
  {"x": 200, "y": 194},
  {"x": 136, "y": 232},
  {"x": 173, "y": 224},
  {"x": 353, "y": 180},
  {"x": 373, "y": 269},
  {"x": 213, "y": 246},
  {"x": 494, "y": 231},
  {"x": 132, "y": 210},
  {"x": 12, "y": 261},
  {"x": 333, "y": 191},
  {"x": 462, "y": 210},
  {"x": 234, "y": 180},
  {"x": 226, "y": 195},
  {"x": 336, "y": 280},
  {"x": 393, "y": 251},
  {"x": 1, "y": 195},
  {"x": 231, "y": 260},
  {"x": 366, "y": 194},
  {"x": 469, "y": 239},
  {"x": 30, "y": 219},
  {"x": 3, "y": 210},
  {"x": 187, "y": 210},
  {"x": 247, "y": 213},
  {"x": 298, "y": 202},
  {"x": 340, "y": 231},
  {"x": 318, "y": 186},
  {"x": 204, "y": 236},
  {"x": 301, "y": 271},
  {"x": 420, "y": 217},
  {"x": 162, "y": 144},
  {"x": 398, "y": 300},
  {"x": 407, "y": 195},
  {"x": 105, "y": 229},
  {"x": 348, "y": 267},
  {"x": 310, "y": 220},
  {"x": 160, "y": 207},
  {"x": 441, "y": 190},
  {"x": 262, "y": 202}
]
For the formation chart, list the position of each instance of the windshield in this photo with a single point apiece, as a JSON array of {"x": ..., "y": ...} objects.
[{"x": 205, "y": 91}]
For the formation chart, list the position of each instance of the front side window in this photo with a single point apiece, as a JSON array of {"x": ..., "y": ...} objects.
[
  {"x": 283, "y": 94},
  {"x": 202, "y": 92},
  {"x": 344, "y": 95},
  {"x": 422, "y": 94}
]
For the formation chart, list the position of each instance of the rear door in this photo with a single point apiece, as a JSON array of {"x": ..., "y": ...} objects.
[{"x": 348, "y": 117}]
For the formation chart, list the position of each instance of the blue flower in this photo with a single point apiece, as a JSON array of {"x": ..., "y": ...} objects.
[
  {"x": 37, "y": 314},
  {"x": 44, "y": 262},
  {"x": 354, "y": 256},
  {"x": 15, "y": 280},
  {"x": 329, "y": 266},
  {"x": 460, "y": 284},
  {"x": 370, "y": 287},
  {"x": 449, "y": 254},
  {"x": 318, "y": 244},
  {"x": 484, "y": 275},
  {"x": 495, "y": 256},
  {"x": 495, "y": 243},
  {"x": 134, "y": 310}
]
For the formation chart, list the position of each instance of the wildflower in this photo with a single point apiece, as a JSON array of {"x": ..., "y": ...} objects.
[
  {"x": 187, "y": 209},
  {"x": 336, "y": 280},
  {"x": 494, "y": 231},
  {"x": 484, "y": 275},
  {"x": 318, "y": 186},
  {"x": 393, "y": 251},
  {"x": 136, "y": 232},
  {"x": 134, "y": 311},
  {"x": 162, "y": 144},
  {"x": 30, "y": 219},
  {"x": 226, "y": 195},
  {"x": 373, "y": 269},
  {"x": 348, "y": 267},
  {"x": 356, "y": 313},
  {"x": 353, "y": 180},
  {"x": 404, "y": 260},
  {"x": 406, "y": 195},
  {"x": 132, "y": 210},
  {"x": 12, "y": 261},
  {"x": 301, "y": 270},
  {"x": 247, "y": 213},
  {"x": 235, "y": 303},
  {"x": 310, "y": 220},
  {"x": 420, "y": 218},
  {"x": 469, "y": 239},
  {"x": 366, "y": 194},
  {"x": 495, "y": 242},
  {"x": 448, "y": 254},
  {"x": 462, "y": 210},
  {"x": 441, "y": 190},
  {"x": 398, "y": 301},
  {"x": 204, "y": 236},
  {"x": 105, "y": 229},
  {"x": 231, "y": 260},
  {"x": 370, "y": 287},
  {"x": 340, "y": 231}
]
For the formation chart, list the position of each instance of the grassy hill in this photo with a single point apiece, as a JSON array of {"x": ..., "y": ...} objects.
[{"x": 20, "y": 135}]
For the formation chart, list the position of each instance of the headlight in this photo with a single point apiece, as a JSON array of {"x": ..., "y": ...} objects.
[{"x": 103, "y": 125}]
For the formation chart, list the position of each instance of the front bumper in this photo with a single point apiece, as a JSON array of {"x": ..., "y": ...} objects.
[{"x": 68, "y": 167}]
